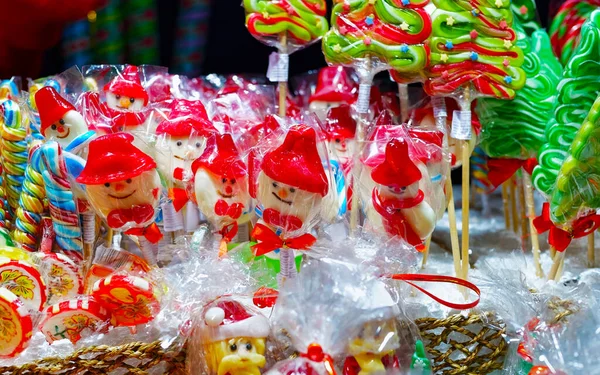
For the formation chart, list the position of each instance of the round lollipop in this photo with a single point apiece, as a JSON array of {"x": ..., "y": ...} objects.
[
  {"x": 16, "y": 324},
  {"x": 24, "y": 280},
  {"x": 123, "y": 186},
  {"x": 67, "y": 319},
  {"x": 221, "y": 187},
  {"x": 130, "y": 300},
  {"x": 62, "y": 275},
  {"x": 125, "y": 100}
]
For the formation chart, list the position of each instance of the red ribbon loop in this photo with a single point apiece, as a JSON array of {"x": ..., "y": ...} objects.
[
  {"x": 269, "y": 241},
  {"x": 151, "y": 233},
  {"x": 229, "y": 231},
  {"x": 559, "y": 238},
  {"x": 410, "y": 277},
  {"x": 315, "y": 353}
]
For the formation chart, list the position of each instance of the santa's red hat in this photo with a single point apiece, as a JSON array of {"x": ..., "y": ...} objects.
[
  {"x": 339, "y": 123},
  {"x": 397, "y": 169},
  {"x": 51, "y": 106},
  {"x": 113, "y": 157},
  {"x": 128, "y": 84},
  {"x": 227, "y": 319},
  {"x": 334, "y": 85},
  {"x": 221, "y": 157},
  {"x": 296, "y": 162},
  {"x": 186, "y": 118}
]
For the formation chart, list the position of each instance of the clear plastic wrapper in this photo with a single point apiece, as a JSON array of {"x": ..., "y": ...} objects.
[
  {"x": 221, "y": 187},
  {"x": 289, "y": 177},
  {"x": 392, "y": 183},
  {"x": 288, "y": 25},
  {"x": 335, "y": 87}
]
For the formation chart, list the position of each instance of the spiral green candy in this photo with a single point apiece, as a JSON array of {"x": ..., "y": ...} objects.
[
  {"x": 392, "y": 32},
  {"x": 26, "y": 230},
  {"x": 472, "y": 43},
  {"x": 14, "y": 152},
  {"x": 526, "y": 13},
  {"x": 515, "y": 128},
  {"x": 303, "y": 21},
  {"x": 578, "y": 182},
  {"x": 576, "y": 94}
]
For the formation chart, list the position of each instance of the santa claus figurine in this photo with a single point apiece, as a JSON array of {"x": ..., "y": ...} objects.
[
  {"x": 394, "y": 202},
  {"x": 59, "y": 120},
  {"x": 291, "y": 185},
  {"x": 373, "y": 351},
  {"x": 221, "y": 186},
  {"x": 123, "y": 185},
  {"x": 334, "y": 88},
  {"x": 125, "y": 100},
  {"x": 182, "y": 139},
  {"x": 232, "y": 339}
]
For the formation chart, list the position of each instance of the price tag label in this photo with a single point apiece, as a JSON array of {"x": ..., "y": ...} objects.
[
  {"x": 461, "y": 125},
  {"x": 439, "y": 106},
  {"x": 172, "y": 220},
  {"x": 89, "y": 227},
  {"x": 364, "y": 95},
  {"x": 279, "y": 65}
]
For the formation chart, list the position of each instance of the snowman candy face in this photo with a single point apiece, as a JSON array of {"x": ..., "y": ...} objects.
[
  {"x": 287, "y": 199},
  {"x": 398, "y": 192},
  {"x": 342, "y": 148},
  {"x": 120, "y": 102},
  {"x": 178, "y": 154},
  {"x": 65, "y": 130},
  {"x": 211, "y": 188}
]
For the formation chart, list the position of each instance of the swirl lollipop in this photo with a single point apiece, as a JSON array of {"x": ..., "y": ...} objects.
[
  {"x": 287, "y": 25},
  {"x": 16, "y": 320},
  {"x": 221, "y": 187},
  {"x": 291, "y": 184},
  {"x": 123, "y": 186}
]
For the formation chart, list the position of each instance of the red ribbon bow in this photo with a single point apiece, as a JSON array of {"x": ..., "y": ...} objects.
[
  {"x": 269, "y": 241},
  {"x": 138, "y": 214},
  {"x": 151, "y": 233},
  {"x": 315, "y": 353},
  {"x": 179, "y": 197},
  {"x": 287, "y": 222},
  {"x": 500, "y": 170},
  {"x": 559, "y": 238},
  {"x": 410, "y": 277},
  {"x": 234, "y": 210}
]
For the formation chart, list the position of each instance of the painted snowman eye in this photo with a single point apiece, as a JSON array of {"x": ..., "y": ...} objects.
[
  {"x": 179, "y": 143},
  {"x": 128, "y": 180},
  {"x": 233, "y": 181},
  {"x": 233, "y": 347},
  {"x": 292, "y": 190},
  {"x": 61, "y": 121},
  {"x": 337, "y": 140},
  {"x": 118, "y": 97},
  {"x": 53, "y": 127},
  {"x": 107, "y": 184},
  {"x": 275, "y": 185},
  {"x": 198, "y": 144},
  {"x": 224, "y": 180},
  {"x": 248, "y": 346},
  {"x": 131, "y": 100}
]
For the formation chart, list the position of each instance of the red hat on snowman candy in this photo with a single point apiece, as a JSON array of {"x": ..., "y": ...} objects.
[
  {"x": 334, "y": 85},
  {"x": 221, "y": 158},
  {"x": 113, "y": 157},
  {"x": 186, "y": 118},
  {"x": 51, "y": 106},
  {"x": 228, "y": 319},
  {"x": 397, "y": 169},
  {"x": 297, "y": 162},
  {"x": 128, "y": 84}
]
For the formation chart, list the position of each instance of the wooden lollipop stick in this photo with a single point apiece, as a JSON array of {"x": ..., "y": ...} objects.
[
  {"x": 282, "y": 85},
  {"x": 426, "y": 251},
  {"x": 513, "y": 205},
  {"x": 591, "y": 254},
  {"x": 404, "y": 101},
  {"x": 466, "y": 176},
  {"x": 558, "y": 259},
  {"x": 522, "y": 214},
  {"x": 452, "y": 226},
  {"x": 535, "y": 240},
  {"x": 505, "y": 198}
]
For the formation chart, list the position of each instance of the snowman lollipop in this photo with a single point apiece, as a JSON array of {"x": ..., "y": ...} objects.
[
  {"x": 184, "y": 137},
  {"x": 126, "y": 98},
  {"x": 291, "y": 185},
  {"x": 334, "y": 88},
  {"x": 123, "y": 185},
  {"x": 221, "y": 187},
  {"x": 390, "y": 191}
]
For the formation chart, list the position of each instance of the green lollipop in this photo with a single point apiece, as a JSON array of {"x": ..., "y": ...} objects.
[
  {"x": 576, "y": 94},
  {"x": 515, "y": 128}
]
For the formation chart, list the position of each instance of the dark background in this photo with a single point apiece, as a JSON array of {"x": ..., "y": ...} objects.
[{"x": 230, "y": 48}]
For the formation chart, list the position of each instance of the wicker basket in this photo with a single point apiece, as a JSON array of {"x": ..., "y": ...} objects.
[
  {"x": 135, "y": 358},
  {"x": 466, "y": 345}
]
